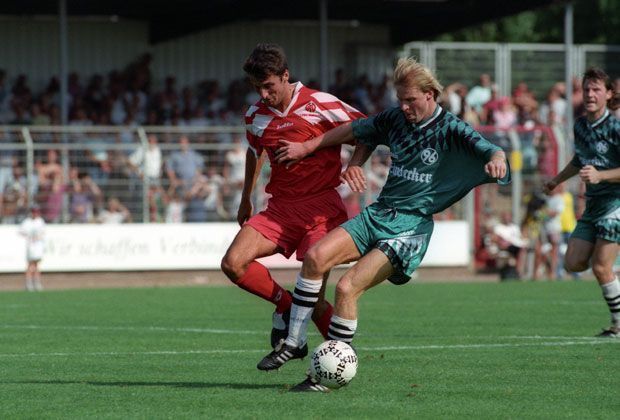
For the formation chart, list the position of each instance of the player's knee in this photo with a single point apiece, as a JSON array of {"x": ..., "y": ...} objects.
[
  {"x": 602, "y": 271},
  {"x": 345, "y": 289},
  {"x": 315, "y": 263},
  {"x": 232, "y": 267},
  {"x": 575, "y": 265}
]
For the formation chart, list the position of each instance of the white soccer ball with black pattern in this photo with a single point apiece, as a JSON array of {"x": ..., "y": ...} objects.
[{"x": 333, "y": 364}]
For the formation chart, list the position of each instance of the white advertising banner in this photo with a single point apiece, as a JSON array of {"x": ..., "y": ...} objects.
[{"x": 176, "y": 247}]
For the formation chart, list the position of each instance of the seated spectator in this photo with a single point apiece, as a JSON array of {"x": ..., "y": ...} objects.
[
  {"x": 386, "y": 94},
  {"x": 22, "y": 94},
  {"x": 38, "y": 117},
  {"x": 493, "y": 105},
  {"x": 511, "y": 247},
  {"x": 506, "y": 116},
  {"x": 522, "y": 96},
  {"x": 157, "y": 199},
  {"x": 85, "y": 197},
  {"x": 480, "y": 94},
  {"x": 183, "y": 165},
  {"x": 5, "y": 99},
  {"x": 51, "y": 195},
  {"x": 147, "y": 164},
  {"x": 214, "y": 199},
  {"x": 114, "y": 213},
  {"x": 175, "y": 207},
  {"x": 196, "y": 198},
  {"x": 8, "y": 159},
  {"x": 553, "y": 110},
  {"x": 362, "y": 94},
  {"x": 15, "y": 198},
  {"x": 453, "y": 98}
]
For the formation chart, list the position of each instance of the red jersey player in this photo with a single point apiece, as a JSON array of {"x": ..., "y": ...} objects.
[{"x": 304, "y": 204}]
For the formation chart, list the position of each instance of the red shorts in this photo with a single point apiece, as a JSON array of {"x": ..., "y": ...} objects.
[{"x": 295, "y": 225}]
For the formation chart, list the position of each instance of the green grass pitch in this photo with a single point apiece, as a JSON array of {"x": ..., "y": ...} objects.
[{"x": 509, "y": 350}]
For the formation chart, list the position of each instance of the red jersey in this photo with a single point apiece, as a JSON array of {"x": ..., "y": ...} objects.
[{"x": 310, "y": 114}]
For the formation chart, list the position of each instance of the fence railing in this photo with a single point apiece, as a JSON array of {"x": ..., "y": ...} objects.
[
  {"x": 81, "y": 174},
  {"x": 509, "y": 64}
]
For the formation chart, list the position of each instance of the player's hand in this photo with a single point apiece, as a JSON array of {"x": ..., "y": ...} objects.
[
  {"x": 496, "y": 168},
  {"x": 290, "y": 152},
  {"x": 244, "y": 212},
  {"x": 590, "y": 175},
  {"x": 549, "y": 186},
  {"x": 354, "y": 176}
]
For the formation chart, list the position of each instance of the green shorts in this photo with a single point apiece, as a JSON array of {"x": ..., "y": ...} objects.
[
  {"x": 403, "y": 238},
  {"x": 601, "y": 219}
]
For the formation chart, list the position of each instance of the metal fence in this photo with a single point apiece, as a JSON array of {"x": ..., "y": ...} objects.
[
  {"x": 85, "y": 174},
  {"x": 539, "y": 65},
  {"x": 141, "y": 174}
]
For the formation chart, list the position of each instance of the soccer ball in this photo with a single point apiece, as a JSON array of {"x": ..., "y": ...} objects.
[{"x": 333, "y": 364}]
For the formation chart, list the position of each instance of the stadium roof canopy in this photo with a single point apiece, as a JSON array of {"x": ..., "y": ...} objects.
[{"x": 409, "y": 20}]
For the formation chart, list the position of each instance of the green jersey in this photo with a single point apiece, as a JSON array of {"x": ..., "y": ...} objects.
[
  {"x": 598, "y": 144},
  {"x": 434, "y": 163}
]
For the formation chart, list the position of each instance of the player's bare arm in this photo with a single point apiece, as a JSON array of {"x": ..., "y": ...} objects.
[
  {"x": 568, "y": 172},
  {"x": 354, "y": 174},
  {"x": 292, "y": 152},
  {"x": 253, "y": 166},
  {"x": 590, "y": 175},
  {"x": 496, "y": 166}
]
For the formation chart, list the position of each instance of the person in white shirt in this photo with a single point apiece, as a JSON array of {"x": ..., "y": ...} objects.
[
  {"x": 33, "y": 229},
  {"x": 116, "y": 213},
  {"x": 148, "y": 163}
]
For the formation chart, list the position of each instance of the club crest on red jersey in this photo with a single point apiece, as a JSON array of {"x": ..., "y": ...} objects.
[{"x": 311, "y": 107}]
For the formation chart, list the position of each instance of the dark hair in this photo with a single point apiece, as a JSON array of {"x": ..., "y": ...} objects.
[
  {"x": 266, "y": 60},
  {"x": 595, "y": 73}
]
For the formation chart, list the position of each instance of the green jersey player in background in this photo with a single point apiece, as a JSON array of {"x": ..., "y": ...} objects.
[
  {"x": 436, "y": 160},
  {"x": 597, "y": 161}
]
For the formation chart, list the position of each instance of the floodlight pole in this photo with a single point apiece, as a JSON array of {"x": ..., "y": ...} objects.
[
  {"x": 64, "y": 103},
  {"x": 62, "y": 30},
  {"x": 568, "y": 71},
  {"x": 323, "y": 70}
]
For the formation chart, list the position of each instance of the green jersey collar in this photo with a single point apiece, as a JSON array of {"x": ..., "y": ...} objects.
[
  {"x": 430, "y": 119},
  {"x": 600, "y": 120}
]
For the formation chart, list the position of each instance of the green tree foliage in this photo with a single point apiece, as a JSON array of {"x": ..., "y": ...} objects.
[{"x": 595, "y": 22}]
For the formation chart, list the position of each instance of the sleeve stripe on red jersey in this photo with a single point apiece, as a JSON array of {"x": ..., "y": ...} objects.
[
  {"x": 327, "y": 100},
  {"x": 335, "y": 115},
  {"x": 251, "y": 110},
  {"x": 323, "y": 97},
  {"x": 259, "y": 123}
]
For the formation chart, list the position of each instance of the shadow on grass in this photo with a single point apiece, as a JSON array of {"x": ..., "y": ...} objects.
[{"x": 123, "y": 384}]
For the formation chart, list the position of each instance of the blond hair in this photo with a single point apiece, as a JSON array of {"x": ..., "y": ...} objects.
[{"x": 410, "y": 73}]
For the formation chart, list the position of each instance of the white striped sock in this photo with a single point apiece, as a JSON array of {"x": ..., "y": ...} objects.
[
  {"x": 342, "y": 329},
  {"x": 611, "y": 293},
  {"x": 305, "y": 297}
]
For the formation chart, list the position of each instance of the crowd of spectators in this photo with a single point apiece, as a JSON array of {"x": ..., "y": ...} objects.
[{"x": 181, "y": 178}]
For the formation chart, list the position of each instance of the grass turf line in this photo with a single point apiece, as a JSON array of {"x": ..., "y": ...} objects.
[{"x": 513, "y": 350}]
